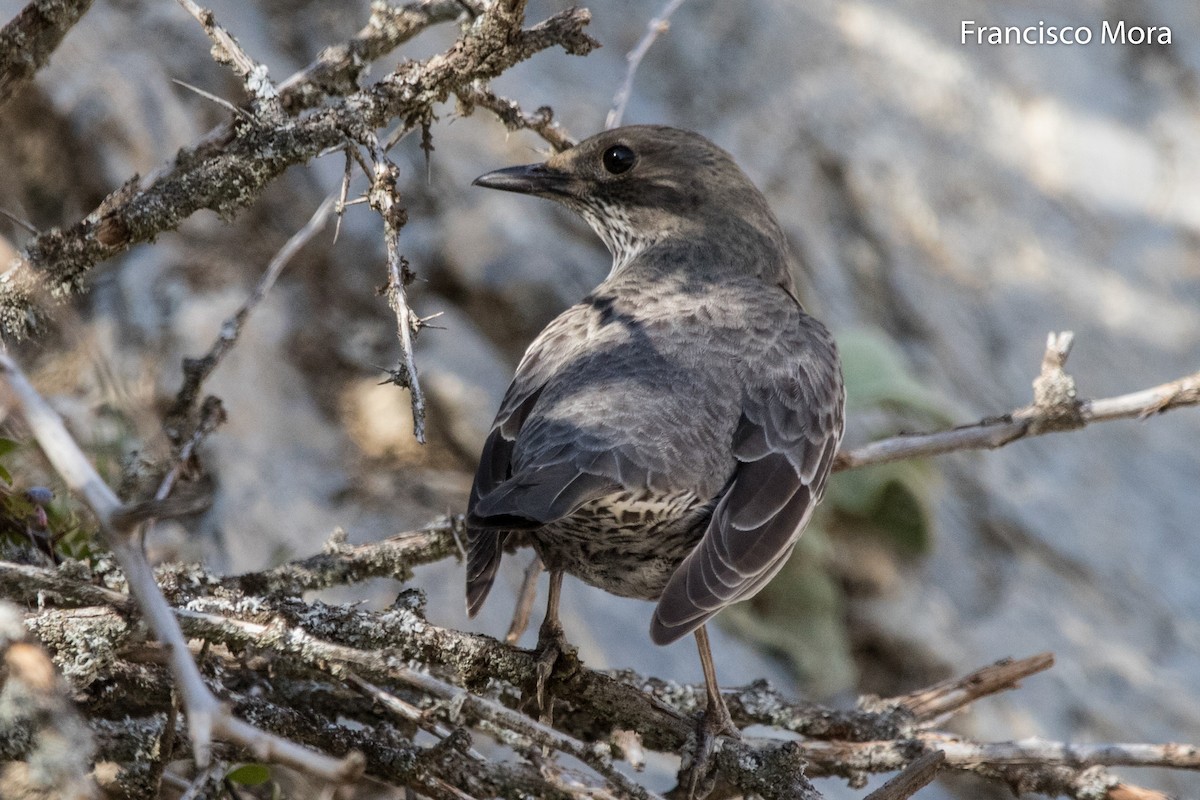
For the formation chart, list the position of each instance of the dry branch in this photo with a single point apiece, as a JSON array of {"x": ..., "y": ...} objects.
[
  {"x": 225, "y": 176},
  {"x": 29, "y": 39},
  {"x": 541, "y": 122},
  {"x": 1054, "y": 409},
  {"x": 460, "y": 671},
  {"x": 657, "y": 26},
  {"x": 207, "y": 717}
]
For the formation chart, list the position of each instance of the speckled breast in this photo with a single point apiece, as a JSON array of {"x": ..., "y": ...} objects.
[{"x": 627, "y": 543}]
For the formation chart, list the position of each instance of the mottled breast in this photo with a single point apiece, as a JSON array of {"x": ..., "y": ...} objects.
[{"x": 627, "y": 543}]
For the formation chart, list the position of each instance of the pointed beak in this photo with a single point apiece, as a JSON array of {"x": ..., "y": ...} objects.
[{"x": 537, "y": 179}]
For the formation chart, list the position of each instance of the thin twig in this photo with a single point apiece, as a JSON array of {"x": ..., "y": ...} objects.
[
  {"x": 406, "y": 711},
  {"x": 525, "y": 726},
  {"x": 1032, "y": 420},
  {"x": 206, "y": 716},
  {"x": 226, "y": 50},
  {"x": 383, "y": 198},
  {"x": 934, "y": 702},
  {"x": 341, "y": 563},
  {"x": 197, "y": 370},
  {"x": 911, "y": 779},
  {"x": 655, "y": 28},
  {"x": 541, "y": 122}
]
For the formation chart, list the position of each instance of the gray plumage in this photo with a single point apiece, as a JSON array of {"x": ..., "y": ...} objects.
[{"x": 669, "y": 436}]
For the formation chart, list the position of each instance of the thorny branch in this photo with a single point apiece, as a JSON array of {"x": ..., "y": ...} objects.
[
  {"x": 226, "y": 174},
  {"x": 384, "y": 199}
]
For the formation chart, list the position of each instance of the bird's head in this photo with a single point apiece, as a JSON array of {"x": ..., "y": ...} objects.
[{"x": 642, "y": 184}]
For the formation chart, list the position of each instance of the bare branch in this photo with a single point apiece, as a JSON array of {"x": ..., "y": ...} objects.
[
  {"x": 935, "y": 702},
  {"x": 206, "y": 716},
  {"x": 227, "y": 175},
  {"x": 341, "y": 563},
  {"x": 338, "y": 68},
  {"x": 655, "y": 28},
  {"x": 384, "y": 198},
  {"x": 1055, "y": 409},
  {"x": 911, "y": 779},
  {"x": 29, "y": 39},
  {"x": 541, "y": 122},
  {"x": 197, "y": 370},
  {"x": 226, "y": 50}
]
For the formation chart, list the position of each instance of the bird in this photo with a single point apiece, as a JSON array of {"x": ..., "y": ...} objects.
[{"x": 668, "y": 437}]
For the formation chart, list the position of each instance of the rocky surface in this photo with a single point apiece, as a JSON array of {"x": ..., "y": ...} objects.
[{"x": 965, "y": 199}]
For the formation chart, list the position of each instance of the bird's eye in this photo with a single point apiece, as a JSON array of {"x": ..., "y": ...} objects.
[{"x": 618, "y": 159}]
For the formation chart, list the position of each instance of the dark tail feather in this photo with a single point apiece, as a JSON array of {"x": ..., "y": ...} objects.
[{"x": 484, "y": 550}]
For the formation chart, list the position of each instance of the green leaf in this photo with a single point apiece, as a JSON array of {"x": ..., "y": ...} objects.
[
  {"x": 249, "y": 774},
  {"x": 7, "y": 446},
  {"x": 877, "y": 376},
  {"x": 892, "y": 500},
  {"x": 801, "y": 615}
]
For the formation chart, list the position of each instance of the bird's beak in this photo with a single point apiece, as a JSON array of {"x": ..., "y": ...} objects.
[{"x": 536, "y": 179}]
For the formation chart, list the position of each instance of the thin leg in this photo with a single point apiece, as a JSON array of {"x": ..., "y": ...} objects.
[
  {"x": 551, "y": 642},
  {"x": 715, "y": 722},
  {"x": 520, "y": 620},
  {"x": 716, "y": 715}
]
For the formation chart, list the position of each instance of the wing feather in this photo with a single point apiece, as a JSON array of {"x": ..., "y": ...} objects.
[{"x": 785, "y": 444}]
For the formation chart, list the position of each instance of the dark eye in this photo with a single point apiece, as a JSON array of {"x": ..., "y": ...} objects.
[{"x": 618, "y": 159}]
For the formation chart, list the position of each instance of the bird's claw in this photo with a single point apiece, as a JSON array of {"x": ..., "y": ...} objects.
[
  {"x": 552, "y": 645},
  {"x": 696, "y": 779}
]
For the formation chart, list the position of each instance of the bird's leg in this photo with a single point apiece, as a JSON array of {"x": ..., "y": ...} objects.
[
  {"x": 551, "y": 642},
  {"x": 713, "y": 723}
]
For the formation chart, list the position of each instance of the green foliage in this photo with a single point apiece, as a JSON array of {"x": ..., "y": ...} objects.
[
  {"x": 249, "y": 774},
  {"x": 801, "y": 614},
  {"x": 7, "y": 446},
  {"x": 36, "y": 518}
]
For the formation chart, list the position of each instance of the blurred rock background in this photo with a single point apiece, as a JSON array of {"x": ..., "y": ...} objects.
[{"x": 950, "y": 205}]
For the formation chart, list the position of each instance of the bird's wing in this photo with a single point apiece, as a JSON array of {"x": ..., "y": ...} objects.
[
  {"x": 562, "y": 476},
  {"x": 785, "y": 442}
]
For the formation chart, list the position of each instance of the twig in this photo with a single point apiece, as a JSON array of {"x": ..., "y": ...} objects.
[
  {"x": 525, "y": 598},
  {"x": 950, "y": 696},
  {"x": 206, "y": 716},
  {"x": 29, "y": 39},
  {"x": 911, "y": 779},
  {"x": 393, "y": 557},
  {"x": 383, "y": 198},
  {"x": 1040, "y": 751},
  {"x": 525, "y": 726},
  {"x": 338, "y": 68},
  {"x": 197, "y": 370},
  {"x": 1033, "y": 420},
  {"x": 226, "y": 50},
  {"x": 405, "y": 711},
  {"x": 541, "y": 122},
  {"x": 227, "y": 174},
  {"x": 655, "y": 28}
]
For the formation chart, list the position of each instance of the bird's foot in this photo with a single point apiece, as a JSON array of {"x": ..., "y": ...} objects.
[
  {"x": 695, "y": 778},
  {"x": 552, "y": 648}
]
